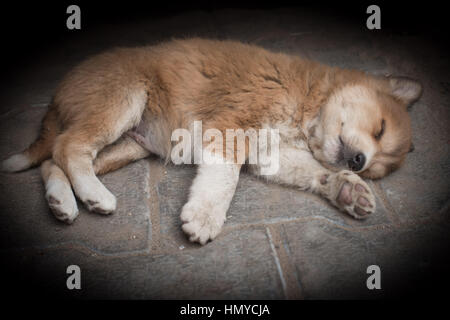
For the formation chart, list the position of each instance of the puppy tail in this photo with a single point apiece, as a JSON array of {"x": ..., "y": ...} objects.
[{"x": 39, "y": 150}]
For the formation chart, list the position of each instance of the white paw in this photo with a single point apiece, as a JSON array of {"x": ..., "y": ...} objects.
[
  {"x": 61, "y": 201},
  {"x": 103, "y": 202},
  {"x": 95, "y": 195},
  {"x": 202, "y": 222},
  {"x": 17, "y": 162},
  {"x": 353, "y": 195}
]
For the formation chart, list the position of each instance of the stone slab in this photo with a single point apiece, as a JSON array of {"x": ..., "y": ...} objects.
[
  {"x": 331, "y": 261},
  {"x": 239, "y": 265}
]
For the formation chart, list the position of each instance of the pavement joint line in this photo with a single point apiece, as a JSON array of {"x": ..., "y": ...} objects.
[
  {"x": 78, "y": 245},
  {"x": 295, "y": 272},
  {"x": 40, "y": 105},
  {"x": 277, "y": 221},
  {"x": 149, "y": 203},
  {"x": 325, "y": 219},
  {"x": 391, "y": 212},
  {"x": 11, "y": 113},
  {"x": 156, "y": 172},
  {"x": 293, "y": 287},
  {"x": 16, "y": 111},
  {"x": 436, "y": 219},
  {"x": 83, "y": 248},
  {"x": 277, "y": 263}
]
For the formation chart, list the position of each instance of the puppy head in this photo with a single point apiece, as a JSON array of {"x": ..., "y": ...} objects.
[{"x": 365, "y": 126}]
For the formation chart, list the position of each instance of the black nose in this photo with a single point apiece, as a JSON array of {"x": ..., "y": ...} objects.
[{"x": 357, "y": 163}]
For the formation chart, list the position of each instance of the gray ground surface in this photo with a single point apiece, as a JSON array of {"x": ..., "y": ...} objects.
[{"x": 277, "y": 243}]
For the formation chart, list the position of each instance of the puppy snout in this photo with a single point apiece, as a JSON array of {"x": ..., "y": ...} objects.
[{"x": 357, "y": 162}]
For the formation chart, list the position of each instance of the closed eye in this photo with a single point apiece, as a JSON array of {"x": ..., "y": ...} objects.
[{"x": 380, "y": 133}]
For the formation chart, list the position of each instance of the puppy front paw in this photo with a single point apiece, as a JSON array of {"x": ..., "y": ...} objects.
[
  {"x": 352, "y": 195},
  {"x": 202, "y": 222}
]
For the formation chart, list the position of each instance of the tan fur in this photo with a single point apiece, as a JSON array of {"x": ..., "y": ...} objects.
[
  {"x": 227, "y": 85},
  {"x": 119, "y": 154}
]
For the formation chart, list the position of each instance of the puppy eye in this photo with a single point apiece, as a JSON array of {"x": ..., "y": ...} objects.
[{"x": 380, "y": 133}]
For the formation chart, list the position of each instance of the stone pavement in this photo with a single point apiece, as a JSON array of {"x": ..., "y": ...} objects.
[{"x": 277, "y": 243}]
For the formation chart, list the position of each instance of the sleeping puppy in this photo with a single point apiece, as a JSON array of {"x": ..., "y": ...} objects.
[{"x": 334, "y": 126}]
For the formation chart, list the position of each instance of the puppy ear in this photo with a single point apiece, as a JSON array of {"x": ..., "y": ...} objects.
[{"x": 405, "y": 89}]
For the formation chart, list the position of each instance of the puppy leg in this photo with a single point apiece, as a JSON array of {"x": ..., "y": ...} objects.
[
  {"x": 210, "y": 196},
  {"x": 118, "y": 155},
  {"x": 344, "y": 189},
  {"x": 59, "y": 193},
  {"x": 77, "y": 147}
]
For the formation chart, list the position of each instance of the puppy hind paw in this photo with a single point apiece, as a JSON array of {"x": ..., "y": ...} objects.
[
  {"x": 95, "y": 196},
  {"x": 104, "y": 204},
  {"x": 62, "y": 203}
]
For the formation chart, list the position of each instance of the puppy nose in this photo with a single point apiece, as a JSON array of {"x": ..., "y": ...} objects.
[{"x": 357, "y": 163}]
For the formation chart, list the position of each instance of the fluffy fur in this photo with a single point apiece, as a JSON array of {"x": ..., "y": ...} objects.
[{"x": 122, "y": 105}]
